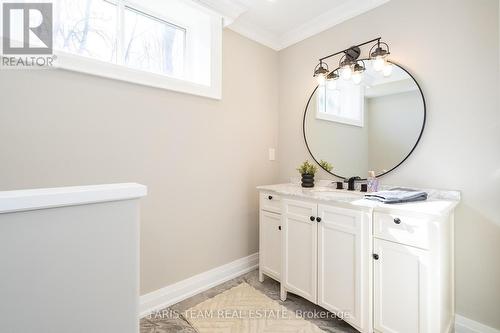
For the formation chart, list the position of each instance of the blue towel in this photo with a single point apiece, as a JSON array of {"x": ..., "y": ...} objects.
[{"x": 397, "y": 195}]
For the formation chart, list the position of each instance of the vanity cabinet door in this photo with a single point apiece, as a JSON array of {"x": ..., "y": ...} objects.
[
  {"x": 400, "y": 288},
  {"x": 270, "y": 244},
  {"x": 300, "y": 248},
  {"x": 340, "y": 267}
]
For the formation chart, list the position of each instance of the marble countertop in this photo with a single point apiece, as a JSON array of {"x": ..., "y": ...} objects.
[{"x": 439, "y": 203}]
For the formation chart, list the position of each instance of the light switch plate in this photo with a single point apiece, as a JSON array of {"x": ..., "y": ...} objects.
[{"x": 272, "y": 154}]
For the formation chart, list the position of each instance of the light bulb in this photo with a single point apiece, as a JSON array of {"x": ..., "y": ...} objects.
[
  {"x": 387, "y": 70},
  {"x": 346, "y": 72},
  {"x": 379, "y": 63},
  {"x": 331, "y": 84},
  {"x": 321, "y": 79},
  {"x": 357, "y": 77}
]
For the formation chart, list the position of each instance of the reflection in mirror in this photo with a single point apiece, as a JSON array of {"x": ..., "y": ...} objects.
[{"x": 371, "y": 125}]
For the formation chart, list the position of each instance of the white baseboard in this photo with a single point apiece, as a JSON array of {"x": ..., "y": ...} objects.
[
  {"x": 466, "y": 325},
  {"x": 184, "y": 289}
]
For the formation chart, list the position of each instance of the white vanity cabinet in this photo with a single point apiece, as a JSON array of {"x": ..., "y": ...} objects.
[
  {"x": 324, "y": 252},
  {"x": 270, "y": 244},
  {"x": 413, "y": 284},
  {"x": 270, "y": 236},
  {"x": 400, "y": 285},
  {"x": 385, "y": 268},
  {"x": 343, "y": 257},
  {"x": 299, "y": 248}
]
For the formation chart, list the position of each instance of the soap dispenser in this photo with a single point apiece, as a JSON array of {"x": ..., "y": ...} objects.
[{"x": 372, "y": 182}]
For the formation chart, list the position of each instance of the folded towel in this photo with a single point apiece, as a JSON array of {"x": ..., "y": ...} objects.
[{"x": 397, "y": 195}]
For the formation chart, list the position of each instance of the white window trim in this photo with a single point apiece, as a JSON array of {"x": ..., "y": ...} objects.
[
  {"x": 82, "y": 64},
  {"x": 343, "y": 120}
]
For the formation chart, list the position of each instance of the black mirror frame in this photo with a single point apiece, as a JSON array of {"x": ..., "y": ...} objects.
[{"x": 404, "y": 159}]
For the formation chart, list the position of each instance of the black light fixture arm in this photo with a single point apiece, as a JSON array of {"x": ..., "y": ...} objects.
[{"x": 350, "y": 48}]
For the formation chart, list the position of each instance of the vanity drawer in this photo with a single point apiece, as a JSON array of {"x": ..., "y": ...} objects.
[
  {"x": 270, "y": 202},
  {"x": 402, "y": 229}
]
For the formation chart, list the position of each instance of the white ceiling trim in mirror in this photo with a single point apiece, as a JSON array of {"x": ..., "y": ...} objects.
[
  {"x": 281, "y": 23},
  {"x": 230, "y": 10}
]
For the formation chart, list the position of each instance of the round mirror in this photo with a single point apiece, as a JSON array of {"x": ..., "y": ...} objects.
[{"x": 354, "y": 125}]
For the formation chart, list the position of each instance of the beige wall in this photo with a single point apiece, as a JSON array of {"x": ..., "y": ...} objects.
[
  {"x": 200, "y": 158},
  {"x": 452, "y": 48}
]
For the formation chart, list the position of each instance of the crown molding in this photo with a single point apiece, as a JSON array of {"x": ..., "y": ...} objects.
[
  {"x": 256, "y": 33},
  {"x": 318, "y": 24},
  {"x": 230, "y": 10},
  {"x": 327, "y": 20}
]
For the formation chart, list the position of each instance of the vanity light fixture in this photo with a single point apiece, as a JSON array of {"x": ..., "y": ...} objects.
[
  {"x": 346, "y": 68},
  {"x": 359, "y": 68},
  {"x": 331, "y": 80},
  {"x": 379, "y": 55},
  {"x": 351, "y": 67},
  {"x": 320, "y": 72}
]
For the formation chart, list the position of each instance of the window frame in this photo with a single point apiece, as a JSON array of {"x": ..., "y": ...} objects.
[
  {"x": 119, "y": 71},
  {"x": 323, "y": 115},
  {"x": 158, "y": 18}
]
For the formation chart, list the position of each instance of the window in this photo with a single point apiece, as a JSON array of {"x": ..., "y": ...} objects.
[
  {"x": 173, "y": 44},
  {"x": 152, "y": 44},
  {"x": 86, "y": 28},
  {"x": 345, "y": 104}
]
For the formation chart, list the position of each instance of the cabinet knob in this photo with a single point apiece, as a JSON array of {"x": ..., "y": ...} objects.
[
  {"x": 312, "y": 218},
  {"x": 270, "y": 197},
  {"x": 397, "y": 220},
  {"x": 318, "y": 219},
  {"x": 375, "y": 256},
  {"x": 279, "y": 228}
]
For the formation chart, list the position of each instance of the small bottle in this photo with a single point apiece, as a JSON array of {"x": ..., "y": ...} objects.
[{"x": 372, "y": 182}]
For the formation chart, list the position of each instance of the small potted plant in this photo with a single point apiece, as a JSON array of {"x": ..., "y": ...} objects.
[
  {"x": 325, "y": 165},
  {"x": 307, "y": 170}
]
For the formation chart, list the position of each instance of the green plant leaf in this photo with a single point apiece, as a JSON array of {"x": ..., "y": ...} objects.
[
  {"x": 325, "y": 165},
  {"x": 307, "y": 168}
]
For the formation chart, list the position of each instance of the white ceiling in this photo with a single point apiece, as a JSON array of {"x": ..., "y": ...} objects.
[{"x": 281, "y": 23}]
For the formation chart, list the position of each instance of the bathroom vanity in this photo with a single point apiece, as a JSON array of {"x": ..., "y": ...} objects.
[{"x": 383, "y": 268}]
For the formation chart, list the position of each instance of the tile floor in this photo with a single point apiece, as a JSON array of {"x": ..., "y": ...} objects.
[{"x": 170, "y": 320}]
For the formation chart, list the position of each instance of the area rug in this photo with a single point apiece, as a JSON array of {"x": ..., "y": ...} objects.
[{"x": 244, "y": 309}]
